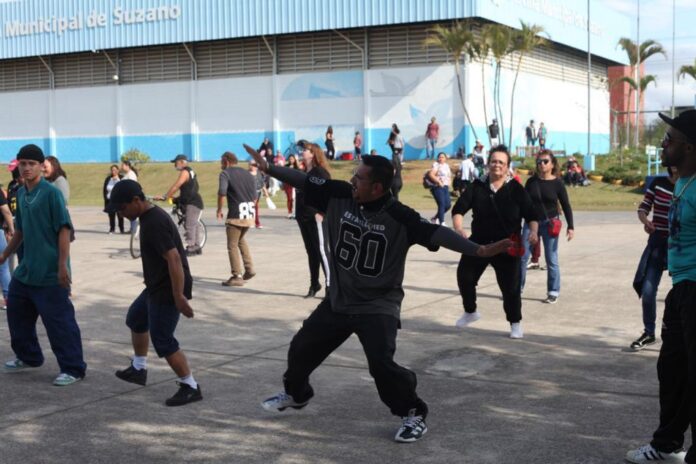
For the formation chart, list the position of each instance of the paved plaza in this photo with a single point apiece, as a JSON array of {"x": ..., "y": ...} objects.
[{"x": 569, "y": 392}]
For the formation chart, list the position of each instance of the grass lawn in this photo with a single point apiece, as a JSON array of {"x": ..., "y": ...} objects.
[{"x": 86, "y": 182}]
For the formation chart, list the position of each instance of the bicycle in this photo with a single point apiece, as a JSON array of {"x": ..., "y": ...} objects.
[{"x": 179, "y": 212}]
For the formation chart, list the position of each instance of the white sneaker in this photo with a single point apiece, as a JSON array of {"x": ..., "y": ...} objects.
[
  {"x": 647, "y": 453},
  {"x": 281, "y": 402},
  {"x": 468, "y": 318},
  {"x": 516, "y": 330}
]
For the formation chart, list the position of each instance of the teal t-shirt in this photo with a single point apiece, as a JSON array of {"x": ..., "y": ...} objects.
[
  {"x": 41, "y": 214},
  {"x": 682, "y": 232}
]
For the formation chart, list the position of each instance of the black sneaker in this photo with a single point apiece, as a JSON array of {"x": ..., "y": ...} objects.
[
  {"x": 185, "y": 395},
  {"x": 412, "y": 428},
  {"x": 133, "y": 375},
  {"x": 643, "y": 341}
]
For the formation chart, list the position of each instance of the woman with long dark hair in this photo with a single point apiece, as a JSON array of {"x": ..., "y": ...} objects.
[
  {"x": 396, "y": 143},
  {"x": 547, "y": 190},
  {"x": 111, "y": 180},
  {"x": 329, "y": 142},
  {"x": 309, "y": 219}
]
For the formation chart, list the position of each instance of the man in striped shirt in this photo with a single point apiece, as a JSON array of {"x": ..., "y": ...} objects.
[{"x": 653, "y": 262}]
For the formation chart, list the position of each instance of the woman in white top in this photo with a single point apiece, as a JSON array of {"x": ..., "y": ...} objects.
[
  {"x": 53, "y": 172},
  {"x": 129, "y": 171},
  {"x": 441, "y": 176}
]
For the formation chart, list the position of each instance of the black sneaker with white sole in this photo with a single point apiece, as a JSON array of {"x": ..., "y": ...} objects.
[
  {"x": 647, "y": 454},
  {"x": 281, "y": 402},
  {"x": 412, "y": 428},
  {"x": 133, "y": 375},
  {"x": 643, "y": 341},
  {"x": 185, "y": 395}
]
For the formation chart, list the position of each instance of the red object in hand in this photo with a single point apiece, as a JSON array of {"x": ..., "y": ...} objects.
[{"x": 516, "y": 249}]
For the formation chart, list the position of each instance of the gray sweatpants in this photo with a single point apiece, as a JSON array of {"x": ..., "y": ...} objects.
[{"x": 193, "y": 214}]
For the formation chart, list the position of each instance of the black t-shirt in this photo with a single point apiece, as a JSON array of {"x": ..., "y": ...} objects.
[
  {"x": 188, "y": 193},
  {"x": 512, "y": 202},
  {"x": 239, "y": 186},
  {"x": 546, "y": 194},
  {"x": 493, "y": 131},
  {"x": 366, "y": 246},
  {"x": 304, "y": 211},
  {"x": 158, "y": 234}
]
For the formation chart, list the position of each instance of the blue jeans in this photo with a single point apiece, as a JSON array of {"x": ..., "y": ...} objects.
[
  {"x": 650, "y": 270},
  {"x": 444, "y": 203},
  {"x": 25, "y": 304},
  {"x": 553, "y": 271},
  {"x": 430, "y": 148},
  {"x": 5, "y": 268}
]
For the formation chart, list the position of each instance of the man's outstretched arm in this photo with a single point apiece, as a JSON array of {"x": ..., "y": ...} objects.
[
  {"x": 293, "y": 177},
  {"x": 451, "y": 240}
]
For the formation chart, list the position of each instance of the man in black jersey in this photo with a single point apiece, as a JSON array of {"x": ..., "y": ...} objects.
[
  {"x": 238, "y": 186},
  {"x": 155, "y": 313},
  {"x": 368, "y": 234},
  {"x": 190, "y": 200}
]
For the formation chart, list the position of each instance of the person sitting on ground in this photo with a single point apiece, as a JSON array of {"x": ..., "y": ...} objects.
[{"x": 574, "y": 175}]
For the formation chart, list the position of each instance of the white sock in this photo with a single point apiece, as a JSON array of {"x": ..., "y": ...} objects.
[
  {"x": 140, "y": 362},
  {"x": 189, "y": 380}
]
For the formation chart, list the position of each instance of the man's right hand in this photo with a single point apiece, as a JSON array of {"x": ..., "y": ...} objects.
[
  {"x": 649, "y": 227},
  {"x": 219, "y": 215},
  {"x": 486, "y": 251},
  {"x": 256, "y": 156},
  {"x": 183, "y": 306}
]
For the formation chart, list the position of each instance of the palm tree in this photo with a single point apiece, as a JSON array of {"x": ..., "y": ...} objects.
[
  {"x": 640, "y": 87},
  {"x": 688, "y": 70},
  {"x": 524, "y": 41},
  {"x": 631, "y": 50},
  {"x": 479, "y": 51},
  {"x": 457, "y": 41},
  {"x": 498, "y": 38},
  {"x": 637, "y": 55}
]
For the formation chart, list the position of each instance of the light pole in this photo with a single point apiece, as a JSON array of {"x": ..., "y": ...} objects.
[
  {"x": 589, "y": 86},
  {"x": 637, "y": 77},
  {"x": 674, "y": 21}
]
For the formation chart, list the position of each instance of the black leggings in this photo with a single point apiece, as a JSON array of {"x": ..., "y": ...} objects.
[
  {"x": 507, "y": 272},
  {"x": 310, "y": 237},
  {"x": 325, "y": 330},
  {"x": 112, "y": 222}
]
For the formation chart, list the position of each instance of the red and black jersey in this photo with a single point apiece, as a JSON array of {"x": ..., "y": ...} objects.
[
  {"x": 658, "y": 197},
  {"x": 366, "y": 245}
]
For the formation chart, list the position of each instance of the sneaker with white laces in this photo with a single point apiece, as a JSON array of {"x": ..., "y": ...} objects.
[
  {"x": 516, "y": 330},
  {"x": 63, "y": 380},
  {"x": 647, "y": 453},
  {"x": 467, "y": 319},
  {"x": 551, "y": 299},
  {"x": 281, "y": 402},
  {"x": 412, "y": 428},
  {"x": 16, "y": 365}
]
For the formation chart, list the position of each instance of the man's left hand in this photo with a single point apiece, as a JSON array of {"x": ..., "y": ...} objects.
[
  {"x": 183, "y": 306},
  {"x": 501, "y": 246},
  {"x": 64, "y": 277},
  {"x": 533, "y": 237}
]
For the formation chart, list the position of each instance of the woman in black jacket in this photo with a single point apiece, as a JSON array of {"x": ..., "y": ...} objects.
[
  {"x": 309, "y": 219},
  {"x": 499, "y": 203},
  {"x": 111, "y": 180}
]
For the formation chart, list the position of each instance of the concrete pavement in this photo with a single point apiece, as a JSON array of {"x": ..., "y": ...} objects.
[{"x": 569, "y": 392}]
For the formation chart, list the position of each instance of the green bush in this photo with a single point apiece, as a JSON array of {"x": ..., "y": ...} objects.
[
  {"x": 136, "y": 157},
  {"x": 632, "y": 179},
  {"x": 615, "y": 173}
]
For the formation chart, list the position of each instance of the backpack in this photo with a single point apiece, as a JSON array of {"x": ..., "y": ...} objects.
[{"x": 427, "y": 182}]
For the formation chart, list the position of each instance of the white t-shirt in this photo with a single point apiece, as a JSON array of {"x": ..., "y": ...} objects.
[
  {"x": 110, "y": 187},
  {"x": 131, "y": 175},
  {"x": 467, "y": 170},
  {"x": 443, "y": 173}
]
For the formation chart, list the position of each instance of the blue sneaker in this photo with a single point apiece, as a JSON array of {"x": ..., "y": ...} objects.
[
  {"x": 16, "y": 365},
  {"x": 63, "y": 380}
]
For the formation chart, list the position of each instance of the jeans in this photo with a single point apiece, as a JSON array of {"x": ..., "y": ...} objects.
[
  {"x": 442, "y": 198},
  {"x": 25, "y": 304},
  {"x": 553, "y": 271},
  {"x": 5, "y": 268},
  {"x": 430, "y": 148},
  {"x": 648, "y": 276}
]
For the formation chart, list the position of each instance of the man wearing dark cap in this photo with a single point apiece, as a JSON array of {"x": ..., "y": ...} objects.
[
  {"x": 190, "y": 200},
  {"x": 369, "y": 234},
  {"x": 676, "y": 365},
  {"x": 41, "y": 283},
  {"x": 168, "y": 284}
]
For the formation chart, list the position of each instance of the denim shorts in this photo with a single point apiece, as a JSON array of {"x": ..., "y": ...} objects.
[{"x": 159, "y": 319}]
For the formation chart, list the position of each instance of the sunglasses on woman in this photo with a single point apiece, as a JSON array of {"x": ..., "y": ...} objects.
[{"x": 543, "y": 161}]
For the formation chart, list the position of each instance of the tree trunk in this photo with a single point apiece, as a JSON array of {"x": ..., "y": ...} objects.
[
  {"x": 500, "y": 108},
  {"x": 512, "y": 99},
  {"x": 461, "y": 97},
  {"x": 485, "y": 107}
]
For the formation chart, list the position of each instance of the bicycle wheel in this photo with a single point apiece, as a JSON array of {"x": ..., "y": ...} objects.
[
  {"x": 135, "y": 242},
  {"x": 202, "y": 233}
]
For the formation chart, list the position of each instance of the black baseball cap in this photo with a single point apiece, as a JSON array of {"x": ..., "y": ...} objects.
[
  {"x": 123, "y": 193},
  {"x": 179, "y": 158},
  {"x": 684, "y": 123}
]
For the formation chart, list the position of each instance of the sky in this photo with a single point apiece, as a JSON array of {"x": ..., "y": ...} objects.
[{"x": 656, "y": 24}]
